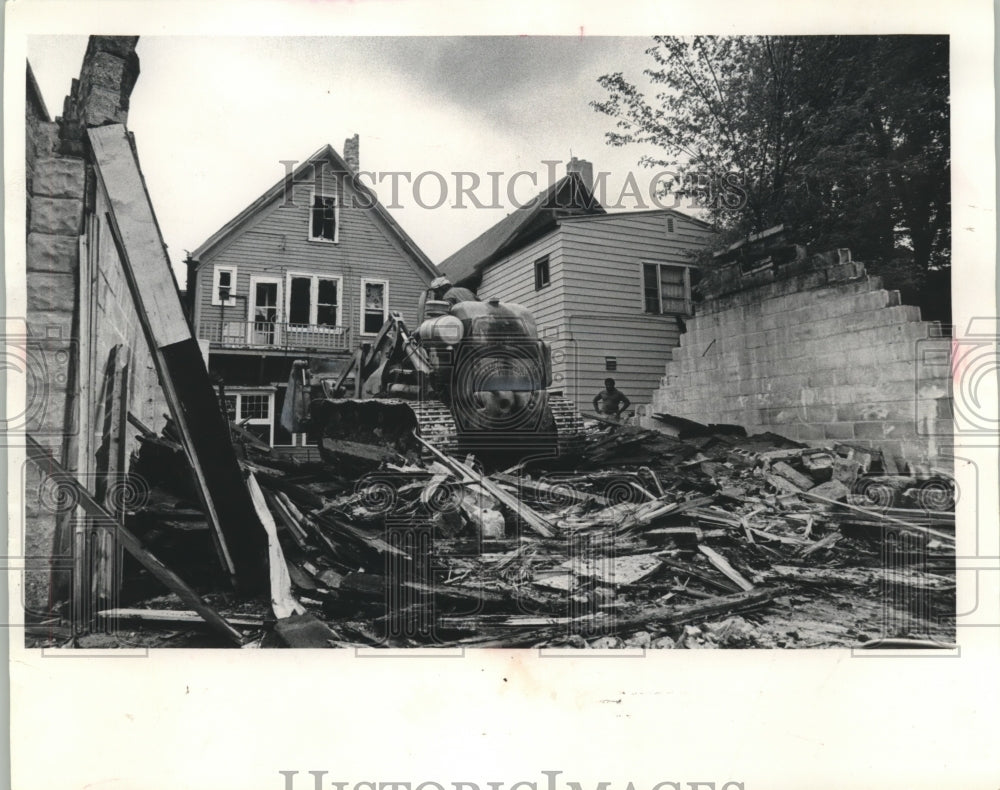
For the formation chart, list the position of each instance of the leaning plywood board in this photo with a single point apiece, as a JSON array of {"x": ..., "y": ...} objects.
[{"x": 239, "y": 536}]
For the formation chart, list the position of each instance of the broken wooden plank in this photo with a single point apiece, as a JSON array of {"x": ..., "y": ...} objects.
[
  {"x": 722, "y": 565},
  {"x": 49, "y": 466},
  {"x": 305, "y": 631},
  {"x": 704, "y": 610},
  {"x": 825, "y": 543},
  {"x": 135, "y": 422},
  {"x": 860, "y": 577},
  {"x": 794, "y": 477},
  {"x": 173, "y": 617},
  {"x": 529, "y": 516},
  {"x": 832, "y": 491},
  {"x": 292, "y": 524},
  {"x": 878, "y": 516},
  {"x": 612, "y": 570},
  {"x": 551, "y": 493},
  {"x": 283, "y": 602},
  {"x": 239, "y": 537}
]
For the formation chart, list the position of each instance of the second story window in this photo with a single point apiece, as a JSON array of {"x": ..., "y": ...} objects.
[
  {"x": 666, "y": 289},
  {"x": 542, "y": 273},
  {"x": 324, "y": 216},
  {"x": 224, "y": 285},
  {"x": 374, "y": 305},
  {"x": 313, "y": 300}
]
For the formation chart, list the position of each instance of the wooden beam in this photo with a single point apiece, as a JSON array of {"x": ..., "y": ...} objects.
[
  {"x": 283, "y": 602},
  {"x": 101, "y": 518},
  {"x": 722, "y": 565},
  {"x": 874, "y": 514},
  {"x": 173, "y": 617},
  {"x": 239, "y": 536},
  {"x": 529, "y": 516}
]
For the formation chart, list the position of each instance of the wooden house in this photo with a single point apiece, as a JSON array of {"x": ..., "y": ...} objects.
[
  {"x": 310, "y": 269},
  {"x": 609, "y": 290}
]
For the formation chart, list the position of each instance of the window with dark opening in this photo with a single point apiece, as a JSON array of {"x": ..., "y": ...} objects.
[
  {"x": 224, "y": 285},
  {"x": 541, "y": 273},
  {"x": 670, "y": 224},
  {"x": 326, "y": 303},
  {"x": 376, "y": 309},
  {"x": 611, "y": 363},
  {"x": 666, "y": 289},
  {"x": 324, "y": 218},
  {"x": 299, "y": 300}
]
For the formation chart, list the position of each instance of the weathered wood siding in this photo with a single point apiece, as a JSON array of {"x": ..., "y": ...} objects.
[
  {"x": 277, "y": 242},
  {"x": 603, "y": 300}
]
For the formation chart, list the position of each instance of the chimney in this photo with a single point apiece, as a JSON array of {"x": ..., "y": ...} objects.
[
  {"x": 584, "y": 168},
  {"x": 352, "y": 153}
]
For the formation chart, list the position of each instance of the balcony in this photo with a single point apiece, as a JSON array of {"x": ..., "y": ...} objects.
[{"x": 267, "y": 336}]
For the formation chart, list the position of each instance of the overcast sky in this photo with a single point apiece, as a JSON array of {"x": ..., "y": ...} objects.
[{"x": 214, "y": 118}]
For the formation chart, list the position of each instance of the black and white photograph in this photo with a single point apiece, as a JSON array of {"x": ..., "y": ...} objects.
[{"x": 593, "y": 342}]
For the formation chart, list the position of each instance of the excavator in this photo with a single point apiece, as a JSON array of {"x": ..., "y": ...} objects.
[{"x": 472, "y": 378}]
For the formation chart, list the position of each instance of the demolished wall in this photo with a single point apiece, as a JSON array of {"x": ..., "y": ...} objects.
[
  {"x": 92, "y": 365},
  {"x": 817, "y": 351}
]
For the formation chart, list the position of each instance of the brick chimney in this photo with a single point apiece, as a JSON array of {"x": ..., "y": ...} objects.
[
  {"x": 584, "y": 168},
  {"x": 352, "y": 154}
]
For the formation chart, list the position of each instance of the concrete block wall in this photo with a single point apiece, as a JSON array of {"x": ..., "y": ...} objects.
[{"x": 820, "y": 355}]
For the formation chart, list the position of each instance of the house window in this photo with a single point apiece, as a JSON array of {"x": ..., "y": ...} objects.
[
  {"x": 542, "y": 273},
  {"x": 374, "y": 305},
  {"x": 327, "y": 301},
  {"x": 253, "y": 411},
  {"x": 324, "y": 218},
  {"x": 666, "y": 289},
  {"x": 224, "y": 285},
  {"x": 670, "y": 224},
  {"x": 313, "y": 300},
  {"x": 611, "y": 363}
]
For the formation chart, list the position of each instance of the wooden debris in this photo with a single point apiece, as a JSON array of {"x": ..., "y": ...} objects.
[
  {"x": 102, "y": 519},
  {"x": 879, "y": 516},
  {"x": 724, "y": 567},
  {"x": 283, "y": 603},
  {"x": 797, "y": 479},
  {"x": 172, "y": 617},
  {"x": 647, "y": 533}
]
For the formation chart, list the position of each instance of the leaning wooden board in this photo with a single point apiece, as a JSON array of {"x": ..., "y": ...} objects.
[{"x": 238, "y": 534}]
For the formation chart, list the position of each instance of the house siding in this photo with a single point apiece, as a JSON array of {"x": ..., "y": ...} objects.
[
  {"x": 276, "y": 243},
  {"x": 603, "y": 304}
]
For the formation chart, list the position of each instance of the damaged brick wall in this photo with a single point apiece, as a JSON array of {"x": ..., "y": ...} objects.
[
  {"x": 93, "y": 365},
  {"x": 816, "y": 351}
]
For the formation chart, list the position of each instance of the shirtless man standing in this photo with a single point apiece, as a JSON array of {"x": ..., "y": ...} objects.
[{"x": 609, "y": 402}]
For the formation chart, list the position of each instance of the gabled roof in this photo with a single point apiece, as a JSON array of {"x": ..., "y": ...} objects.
[
  {"x": 324, "y": 154},
  {"x": 569, "y": 194}
]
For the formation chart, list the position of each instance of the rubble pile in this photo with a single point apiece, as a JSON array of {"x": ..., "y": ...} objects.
[{"x": 707, "y": 539}]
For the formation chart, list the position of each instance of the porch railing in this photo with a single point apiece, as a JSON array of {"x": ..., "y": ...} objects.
[{"x": 275, "y": 336}]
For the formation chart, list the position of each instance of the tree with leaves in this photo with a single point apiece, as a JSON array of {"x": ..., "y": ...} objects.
[{"x": 843, "y": 138}]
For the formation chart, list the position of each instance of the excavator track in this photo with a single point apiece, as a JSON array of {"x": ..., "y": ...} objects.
[
  {"x": 570, "y": 440},
  {"x": 436, "y": 426}
]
